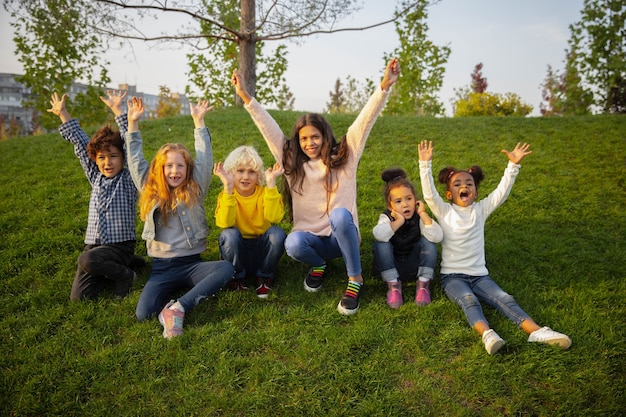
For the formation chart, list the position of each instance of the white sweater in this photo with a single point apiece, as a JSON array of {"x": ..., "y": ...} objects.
[{"x": 463, "y": 244}]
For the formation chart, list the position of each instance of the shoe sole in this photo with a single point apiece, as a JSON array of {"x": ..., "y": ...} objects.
[
  {"x": 311, "y": 289},
  {"x": 341, "y": 309},
  {"x": 496, "y": 347}
]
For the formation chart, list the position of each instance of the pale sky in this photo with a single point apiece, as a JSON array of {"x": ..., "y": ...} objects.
[{"x": 515, "y": 40}]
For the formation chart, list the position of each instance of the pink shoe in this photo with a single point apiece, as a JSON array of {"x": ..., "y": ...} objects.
[
  {"x": 172, "y": 321},
  {"x": 394, "y": 298},
  {"x": 422, "y": 298}
]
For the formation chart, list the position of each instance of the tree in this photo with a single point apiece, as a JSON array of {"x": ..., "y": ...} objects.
[
  {"x": 479, "y": 83},
  {"x": 488, "y": 104},
  {"x": 350, "y": 97},
  {"x": 238, "y": 27},
  {"x": 597, "y": 42},
  {"x": 422, "y": 61},
  {"x": 168, "y": 105},
  {"x": 336, "y": 104},
  {"x": 563, "y": 94},
  {"x": 56, "y": 50}
]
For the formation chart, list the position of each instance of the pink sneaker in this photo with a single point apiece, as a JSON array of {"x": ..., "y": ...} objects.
[
  {"x": 422, "y": 298},
  {"x": 172, "y": 321},
  {"x": 394, "y": 298}
]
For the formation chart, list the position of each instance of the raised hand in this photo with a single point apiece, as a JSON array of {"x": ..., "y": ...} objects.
[
  {"x": 392, "y": 72},
  {"x": 272, "y": 174},
  {"x": 227, "y": 177},
  {"x": 115, "y": 101},
  {"x": 517, "y": 154},
  {"x": 135, "y": 109},
  {"x": 240, "y": 88},
  {"x": 425, "y": 150},
  {"x": 58, "y": 107},
  {"x": 198, "y": 112}
]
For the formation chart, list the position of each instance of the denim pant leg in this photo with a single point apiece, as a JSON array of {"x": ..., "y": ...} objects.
[
  {"x": 232, "y": 250},
  {"x": 383, "y": 256},
  {"x": 311, "y": 249},
  {"x": 272, "y": 246},
  {"x": 347, "y": 235},
  {"x": 486, "y": 289},
  {"x": 164, "y": 281},
  {"x": 205, "y": 279},
  {"x": 427, "y": 258},
  {"x": 458, "y": 288}
]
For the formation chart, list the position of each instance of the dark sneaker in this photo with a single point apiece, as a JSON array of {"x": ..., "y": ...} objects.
[
  {"x": 237, "y": 285},
  {"x": 124, "y": 285},
  {"x": 314, "y": 278},
  {"x": 263, "y": 287},
  {"x": 349, "y": 303},
  {"x": 172, "y": 321}
]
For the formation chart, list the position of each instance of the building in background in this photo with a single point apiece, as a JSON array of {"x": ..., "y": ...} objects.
[{"x": 13, "y": 93}]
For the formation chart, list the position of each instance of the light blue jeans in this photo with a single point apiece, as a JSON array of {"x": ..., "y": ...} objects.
[
  {"x": 257, "y": 256},
  {"x": 419, "y": 263},
  {"x": 316, "y": 250},
  {"x": 466, "y": 291},
  {"x": 170, "y": 275}
]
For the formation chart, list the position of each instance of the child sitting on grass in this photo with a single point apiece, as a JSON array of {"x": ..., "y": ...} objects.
[
  {"x": 464, "y": 275},
  {"x": 173, "y": 190},
  {"x": 110, "y": 237},
  {"x": 406, "y": 240},
  {"x": 248, "y": 213}
]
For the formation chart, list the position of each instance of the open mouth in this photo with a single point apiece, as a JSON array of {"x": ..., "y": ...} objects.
[{"x": 464, "y": 195}]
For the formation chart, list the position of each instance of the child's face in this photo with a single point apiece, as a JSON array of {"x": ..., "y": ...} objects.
[
  {"x": 110, "y": 161},
  {"x": 246, "y": 179},
  {"x": 402, "y": 200},
  {"x": 310, "y": 141},
  {"x": 462, "y": 190},
  {"x": 175, "y": 169}
]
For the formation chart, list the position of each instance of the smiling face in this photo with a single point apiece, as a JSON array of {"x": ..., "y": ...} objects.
[
  {"x": 246, "y": 179},
  {"x": 110, "y": 161},
  {"x": 402, "y": 200},
  {"x": 462, "y": 189},
  {"x": 310, "y": 141},
  {"x": 175, "y": 169}
]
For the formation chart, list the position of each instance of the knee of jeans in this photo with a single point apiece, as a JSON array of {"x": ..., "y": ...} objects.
[
  {"x": 340, "y": 217},
  {"x": 276, "y": 235},
  {"x": 293, "y": 246},
  {"x": 469, "y": 300},
  {"x": 229, "y": 235},
  {"x": 85, "y": 261}
]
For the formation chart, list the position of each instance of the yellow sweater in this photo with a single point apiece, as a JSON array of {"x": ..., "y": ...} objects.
[{"x": 252, "y": 215}]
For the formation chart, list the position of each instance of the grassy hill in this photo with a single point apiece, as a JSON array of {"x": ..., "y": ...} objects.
[{"x": 557, "y": 245}]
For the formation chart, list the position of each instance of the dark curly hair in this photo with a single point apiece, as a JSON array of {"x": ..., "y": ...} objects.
[
  {"x": 395, "y": 177},
  {"x": 104, "y": 139},
  {"x": 446, "y": 174}
]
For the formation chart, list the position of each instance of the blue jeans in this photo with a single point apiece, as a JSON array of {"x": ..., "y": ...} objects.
[
  {"x": 467, "y": 290},
  {"x": 419, "y": 263},
  {"x": 170, "y": 275},
  {"x": 258, "y": 256},
  {"x": 316, "y": 250}
]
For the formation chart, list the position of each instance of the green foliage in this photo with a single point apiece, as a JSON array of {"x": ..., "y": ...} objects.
[
  {"x": 168, "y": 105},
  {"x": 490, "y": 104},
  {"x": 555, "y": 244},
  {"x": 423, "y": 64},
  {"x": 599, "y": 52},
  {"x": 57, "y": 48},
  {"x": 563, "y": 94},
  {"x": 349, "y": 98}
]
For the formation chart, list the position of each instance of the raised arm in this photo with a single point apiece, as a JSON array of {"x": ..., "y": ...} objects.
[
  {"x": 517, "y": 154},
  {"x": 392, "y": 72},
  {"x": 58, "y": 107},
  {"x": 240, "y": 87},
  {"x": 198, "y": 112},
  {"x": 115, "y": 101},
  {"x": 135, "y": 112}
]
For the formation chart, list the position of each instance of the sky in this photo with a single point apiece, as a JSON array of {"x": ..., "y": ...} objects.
[{"x": 515, "y": 40}]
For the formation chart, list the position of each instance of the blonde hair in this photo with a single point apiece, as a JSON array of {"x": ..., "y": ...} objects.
[
  {"x": 156, "y": 191},
  {"x": 246, "y": 156}
]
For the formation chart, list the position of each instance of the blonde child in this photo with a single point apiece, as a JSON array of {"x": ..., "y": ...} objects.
[
  {"x": 321, "y": 175},
  {"x": 406, "y": 240},
  {"x": 248, "y": 211},
  {"x": 110, "y": 238},
  {"x": 171, "y": 204},
  {"x": 464, "y": 275}
]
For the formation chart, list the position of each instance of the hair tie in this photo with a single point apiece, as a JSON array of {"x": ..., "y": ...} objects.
[
  {"x": 450, "y": 174},
  {"x": 469, "y": 171}
]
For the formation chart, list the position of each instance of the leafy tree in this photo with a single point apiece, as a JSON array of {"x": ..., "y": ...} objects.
[
  {"x": 57, "y": 49},
  {"x": 422, "y": 61},
  {"x": 168, "y": 105},
  {"x": 479, "y": 83},
  {"x": 349, "y": 97},
  {"x": 488, "y": 104},
  {"x": 563, "y": 94},
  {"x": 599, "y": 47},
  {"x": 336, "y": 104}
]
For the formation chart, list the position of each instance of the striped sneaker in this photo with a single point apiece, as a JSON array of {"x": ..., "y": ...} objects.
[
  {"x": 349, "y": 303},
  {"x": 314, "y": 278}
]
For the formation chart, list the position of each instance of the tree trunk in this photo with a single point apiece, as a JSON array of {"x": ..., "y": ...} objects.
[{"x": 247, "y": 47}]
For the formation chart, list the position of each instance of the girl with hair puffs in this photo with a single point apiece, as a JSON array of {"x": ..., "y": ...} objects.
[
  {"x": 248, "y": 211},
  {"x": 406, "y": 240},
  {"x": 171, "y": 203},
  {"x": 321, "y": 175},
  {"x": 464, "y": 275}
]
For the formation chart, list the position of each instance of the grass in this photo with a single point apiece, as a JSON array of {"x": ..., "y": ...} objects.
[{"x": 557, "y": 245}]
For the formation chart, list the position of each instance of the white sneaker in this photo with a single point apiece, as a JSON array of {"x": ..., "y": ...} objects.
[
  {"x": 492, "y": 341},
  {"x": 549, "y": 336}
]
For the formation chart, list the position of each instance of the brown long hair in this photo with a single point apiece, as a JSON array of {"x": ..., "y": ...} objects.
[
  {"x": 156, "y": 191},
  {"x": 334, "y": 154}
]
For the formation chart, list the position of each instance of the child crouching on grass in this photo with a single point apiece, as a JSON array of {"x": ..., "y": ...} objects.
[
  {"x": 406, "y": 240},
  {"x": 173, "y": 190},
  {"x": 110, "y": 238},
  {"x": 464, "y": 275},
  {"x": 248, "y": 212}
]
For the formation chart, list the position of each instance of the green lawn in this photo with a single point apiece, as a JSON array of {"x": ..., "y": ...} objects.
[{"x": 557, "y": 245}]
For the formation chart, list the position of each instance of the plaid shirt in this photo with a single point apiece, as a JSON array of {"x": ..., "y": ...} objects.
[{"x": 113, "y": 200}]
